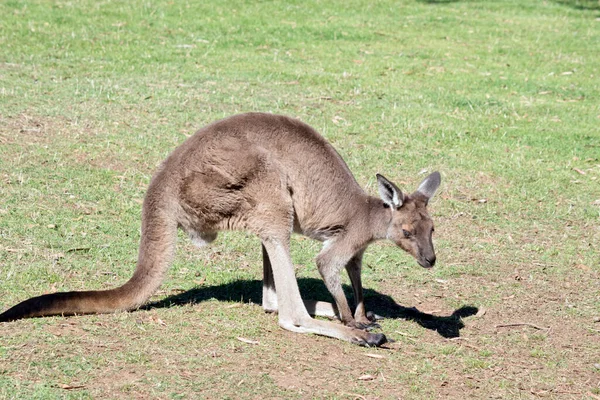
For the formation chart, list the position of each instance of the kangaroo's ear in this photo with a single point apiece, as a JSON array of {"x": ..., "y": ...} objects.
[
  {"x": 430, "y": 185},
  {"x": 390, "y": 194}
]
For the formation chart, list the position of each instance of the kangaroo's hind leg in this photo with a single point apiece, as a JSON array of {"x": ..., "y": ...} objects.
[{"x": 269, "y": 294}]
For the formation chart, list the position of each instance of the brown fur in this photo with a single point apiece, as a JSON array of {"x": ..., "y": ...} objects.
[{"x": 269, "y": 175}]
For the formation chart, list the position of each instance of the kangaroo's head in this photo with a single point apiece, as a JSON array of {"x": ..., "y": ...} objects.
[{"x": 411, "y": 227}]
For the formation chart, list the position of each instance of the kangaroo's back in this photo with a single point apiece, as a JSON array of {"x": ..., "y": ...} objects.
[{"x": 322, "y": 186}]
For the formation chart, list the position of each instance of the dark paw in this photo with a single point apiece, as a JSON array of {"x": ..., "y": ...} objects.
[
  {"x": 376, "y": 339},
  {"x": 367, "y": 326},
  {"x": 372, "y": 340}
]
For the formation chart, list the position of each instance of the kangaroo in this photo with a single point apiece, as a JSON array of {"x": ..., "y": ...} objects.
[{"x": 271, "y": 175}]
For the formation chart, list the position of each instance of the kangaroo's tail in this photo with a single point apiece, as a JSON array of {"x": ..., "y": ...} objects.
[{"x": 159, "y": 234}]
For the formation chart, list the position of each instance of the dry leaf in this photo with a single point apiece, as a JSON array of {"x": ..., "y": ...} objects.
[
  {"x": 583, "y": 267},
  {"x": 379, "y": 356},
  {"x": 579, "y": 171},
  {"x": 481, "y": 312},
  {"x": 337, "y": 120},
  {"x": 249, "y": 341},
  {"x": 158, "y": 321},
  {"x": 366, "y": 377},
  {"x": 200, "y": 282}
]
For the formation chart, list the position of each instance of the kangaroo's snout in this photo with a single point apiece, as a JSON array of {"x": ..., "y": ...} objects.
[{"x": 427, "y": 262}]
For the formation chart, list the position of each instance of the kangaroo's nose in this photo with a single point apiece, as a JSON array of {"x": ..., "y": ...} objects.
[
  {"x": 431, "y": 260},
  {"x": 426, "y": 261}
]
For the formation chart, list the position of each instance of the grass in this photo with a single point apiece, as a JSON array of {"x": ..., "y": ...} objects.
[{"x": 501, "y": 97}]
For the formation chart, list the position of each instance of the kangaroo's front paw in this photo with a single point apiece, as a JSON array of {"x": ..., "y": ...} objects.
[
  {"x": 366, "y": 321},
  {"x": 371, "y": 340},
  {"x": 362, "y": 325},
  {"x": 366, "y": 324}
]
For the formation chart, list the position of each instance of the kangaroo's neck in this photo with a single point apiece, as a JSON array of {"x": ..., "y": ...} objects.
[{"x": 380, "y": 217}]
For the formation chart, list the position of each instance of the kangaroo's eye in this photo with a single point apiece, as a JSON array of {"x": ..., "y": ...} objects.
[
  {"x": 406, "y": 233},
  {"x": 432, "y": 230}
]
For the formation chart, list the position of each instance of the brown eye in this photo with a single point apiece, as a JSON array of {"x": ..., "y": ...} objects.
[{"x": 406, "y": 233}]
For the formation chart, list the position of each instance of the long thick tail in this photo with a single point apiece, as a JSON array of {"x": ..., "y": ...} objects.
[{"x": 159, "y": 233}]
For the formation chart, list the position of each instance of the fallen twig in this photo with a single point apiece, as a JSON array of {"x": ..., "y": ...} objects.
[
  {"x": 379, "y": 356},
  {"x": 354, "y": 396},
  {"x": 249, "y": 341},
  {"x": 539, "y": 328},
  {"x": 406, "y": 336},
  {"x": 367, "y": 377},
  {"x": 74, "y": 249},
  {"x": 70, "y": 387},
  {"x": 593, "y": 396},
  {"x": 462, "y": 341}
]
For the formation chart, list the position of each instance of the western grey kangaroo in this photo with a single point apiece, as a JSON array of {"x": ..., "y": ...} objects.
[{"x": 270, "y": 175}]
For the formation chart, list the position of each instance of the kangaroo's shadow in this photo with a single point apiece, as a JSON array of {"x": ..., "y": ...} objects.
[{"x": 314, "y": 289}]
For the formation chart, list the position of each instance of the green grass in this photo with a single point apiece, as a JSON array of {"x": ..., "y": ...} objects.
[{"x": 502, "y": 97}]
